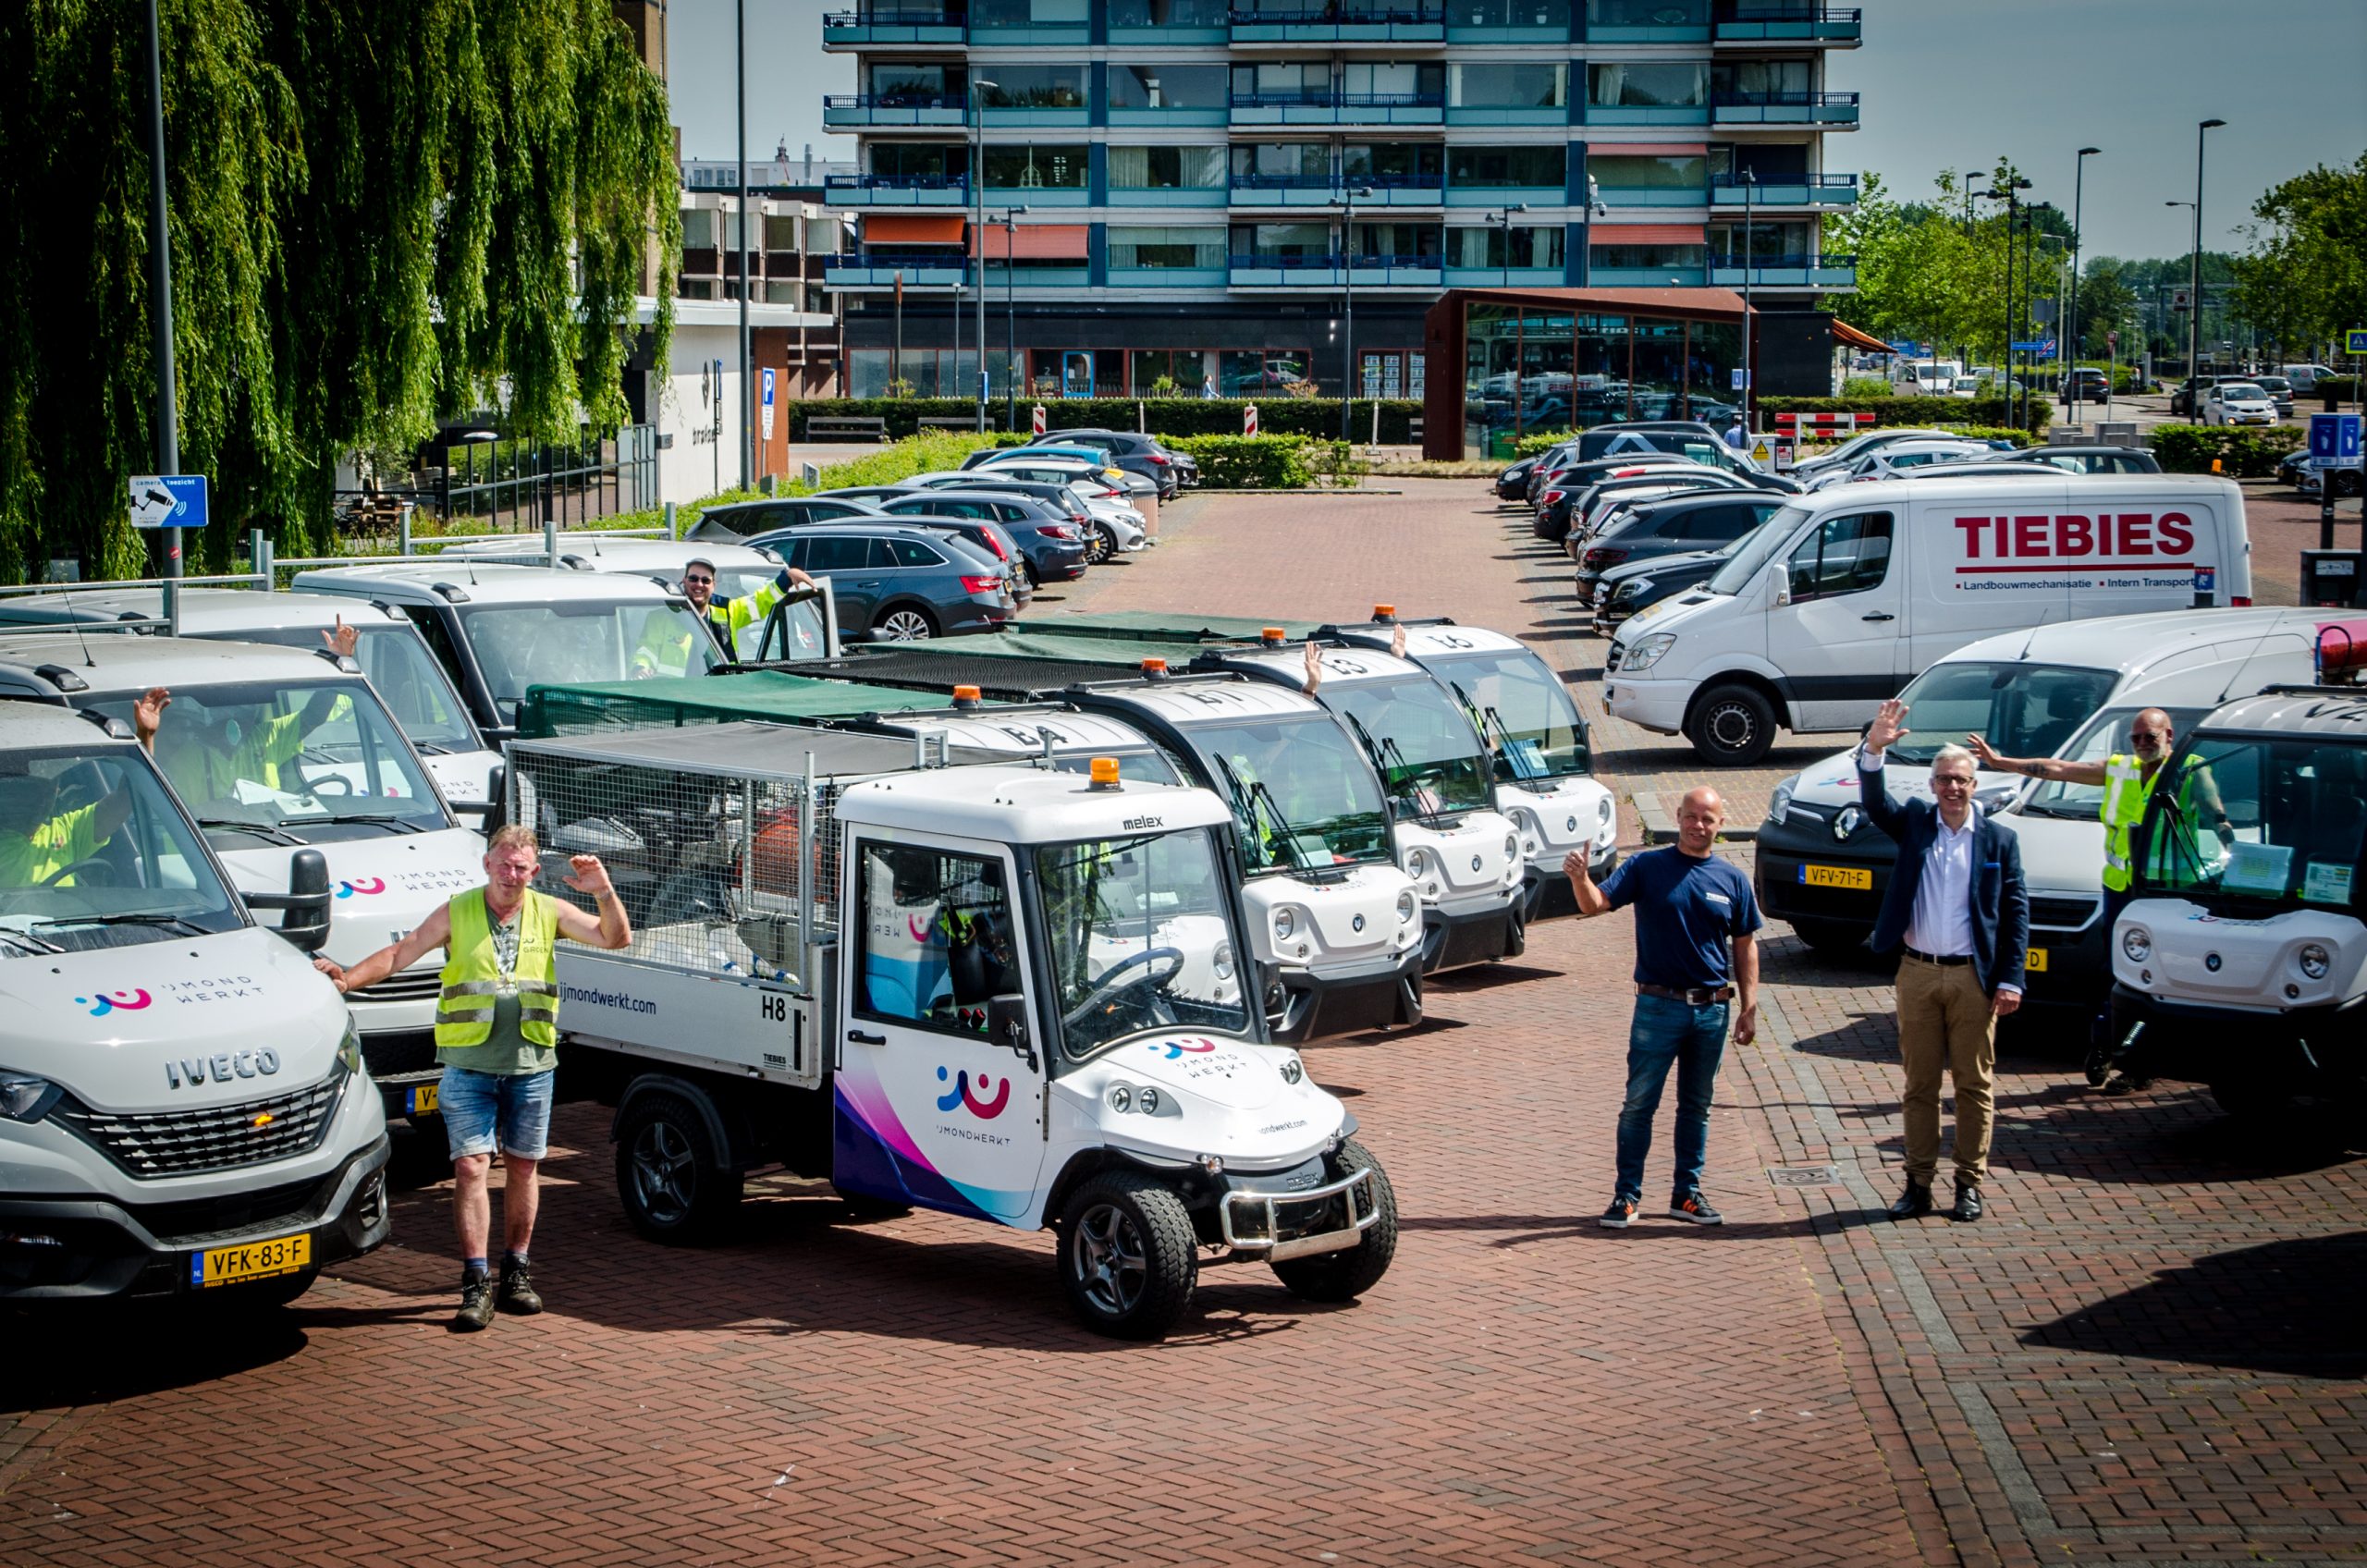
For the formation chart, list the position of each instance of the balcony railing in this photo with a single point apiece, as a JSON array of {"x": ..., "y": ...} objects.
[
  {"x": 1793, "y": 190},
  {"x": 1826, "y": 271},
  {"x": 1791, "y": 24},
  {"x": 896, "y": 190},
  {"x": 1783, "y": 108},
  {"x": 1323, "y": 106},
  {"x": 893, "y": 109},
  {"x": 1342, "y": 24},
  {"x": 875, "y": 25},
  {"x": 1324, "y": 190},
  {"x": 1256, "y": 271},
  {"x": 883, "y": 272}
]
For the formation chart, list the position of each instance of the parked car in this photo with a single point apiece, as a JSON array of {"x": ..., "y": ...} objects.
[
  {"x": 1137, "y": 453},
  {"x": 2238, "y": 403},
  {"x": 1105, "y": 496},
  {"x": 1051, "y": 547},
  {"x": 2188, "y": 397},
  {"x": 1677, "y": 525},
  {"x": 745, "y": 519},
  {"x": 2280, "y": 392},
  {"x": 1133, "y": 483},
  {"x": 1554, "y": 500},
  {"x": 987, "y": 534},
  {"x": 2304, "y": 378},
  {"x": 1856, "y": 446},
  {"x": 1628, "y": 588},
  {"x": 2093, "y": 385},
  {"x": 1900, "y": 459},
  {"x": 1512, "y": 483},
  {"x": 902, "y": 582},
  {"x": 1578, "y": 514},
  {"x": 1103, "y": 526},
  {"x": 2081, "y": 458}
]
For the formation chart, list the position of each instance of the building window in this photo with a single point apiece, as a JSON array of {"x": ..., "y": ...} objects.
[
  {"x": 1034, "y": 167},
  {"x": 1674, "y": 85},
  {"x": 1400, "y": 161},
  {"x": 1167, "y": 169},
  {"x": 1283, "y": 80},
  {"x": 1407, "y": 241},
  {"x": 895, "y": 82},
  {"x": 1767, "y": 241},
  {"x": 1391, "y": 80},
  {"x": 1272, "y": 240},
  {"x": 1139, "y": 248},
  {"x": 1510, "y": 13},
  {"x": 1537, "y": 86},
  {"x": 1751, "y": 79},
  {"x": 1035, "y": 87},
  {"x": 1627, "y": 173},
  {"x": 1308, "y": 161},
  {"x": 1168, "y": 86},
  {"x": 1675, "y": 257},
  {"x": 1511, "y": 168},
  {"x": 1170, "y": 13},
  {"x": 1648, "y": 13},
  {"x": 1028, "y": 13},
  {"x": 905, "y": 160},
  {"x": 698, "y": 228},
  {"x": 1533, "y": 245}
]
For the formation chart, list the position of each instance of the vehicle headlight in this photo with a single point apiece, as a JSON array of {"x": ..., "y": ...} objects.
[
  {"x": 2138, "y": 943},
  {"x": 349, "y": 1050},
  {"x": 1121, "y": 1096},
  {"x": 2315, "y": 961},
  {"x": 1417, "y": 864},
  {"x": 24, "y": 1097},
  {"x": 1407, "y": 906},
  {"x": 1645, "y": 651},
  {"x": 1604, "y": 811},
  {"x": 1285, "y": 924},
  {"x": 1511, "y": 846},
  {"x": 1634, "y": 588},
  {"x": 1224, "y": 960},
  {"x": 1291, "y": 1070},
  {"x": 1779, "y": 805},
  {"x": 1148, "y": 1102}
]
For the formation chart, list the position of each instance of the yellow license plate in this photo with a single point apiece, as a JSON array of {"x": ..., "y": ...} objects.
[
  {"x": 255, "y": 1260},
  {"x": 1856, "y": 877},
  {"x": 423, "y": 1100},
  {"x": 2036, "y": 963}
]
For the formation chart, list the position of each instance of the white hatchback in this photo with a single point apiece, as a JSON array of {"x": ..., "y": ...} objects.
[{"x": 2238, "y": 403}]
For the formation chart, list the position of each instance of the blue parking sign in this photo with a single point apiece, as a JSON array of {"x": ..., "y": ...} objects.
[{"x": 2334, "y": 440}]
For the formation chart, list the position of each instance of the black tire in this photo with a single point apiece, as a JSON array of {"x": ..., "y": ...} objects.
[
  {"x": 905, "y": 623},
  {"x": 1345, "y": 1276},
  {"x": 1029, "y": 567},
  {"x": 1127, "y": 1257},
  {"x": 1102, "y": 545},
  {"x": 422, "y": 1154},
  {"x": 670, "y": 1177},
  {"x": 1828, "y": 937},
  {"x": 1732, "y": 726}
]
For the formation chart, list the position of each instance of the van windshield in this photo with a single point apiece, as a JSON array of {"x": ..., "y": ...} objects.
[
  {"x": 2107, "y": 733},
  {"x": 1301, "y": 795},
  {"x": 1424, "y": 750},
  {"x": 2024, "y": 710},
  {"x": 580, "y": 641},
  {"x": 2295, "y": 820},
  {"x": 313, "y": 762},
  {"x": 93, "y": 853},
  {"x": 1521, "y": 710},
  {"x": 1141, "y": 937},
  {"x": 409, "y": 682},
  {"x": 1760, "y": 548}
]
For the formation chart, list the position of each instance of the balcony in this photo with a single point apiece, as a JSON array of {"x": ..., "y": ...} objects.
[
  {"x": 1167, "y": 196},
  {"x": 1285, "y": 191},
  {"x": 1646, "y": 277},
  {"x": 1171, "y": 116},
  {"x": 1783, "y": 108},
  {"x": 1508, "y": 114},
  {"x": 928, "y": 274},
  {"x": 866, "y": 190},
  {"x": 1805, "y": 190},
  {"x": 1399, "y": 189},
  {"x": 999, "y": 278},
  {"x": 1791, "y": 24},
  {"x": 862, "y": 111},
  {"x": 1008, "y": 117},
  {"x": 1621, "y": 196},
  {"x": 872, "y": 27},
  {"x": 1166, "y": 277},
  {"x": 1504, "y": 277},
  {"x": 1342, "y": 24},
  {"x": 1322, "y": 107},
  {"x": 1647, "y": 113},
  {"x": 1534, "y": 196},
  {"x": 1828, "y": 270},
  {"x": 1677, "y": 21},
  {"x": 1335, "y": 272},
  {"x": 1029, "y": 34}
]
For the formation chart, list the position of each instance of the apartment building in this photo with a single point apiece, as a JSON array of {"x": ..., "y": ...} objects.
[{"x": 1190, "y": 194}]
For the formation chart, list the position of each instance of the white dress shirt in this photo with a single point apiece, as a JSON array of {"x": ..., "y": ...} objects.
[{"x": 1941, "y": 923}]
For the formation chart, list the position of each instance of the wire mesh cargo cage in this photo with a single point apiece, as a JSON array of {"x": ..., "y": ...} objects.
[{"x": 720, "y": 839}]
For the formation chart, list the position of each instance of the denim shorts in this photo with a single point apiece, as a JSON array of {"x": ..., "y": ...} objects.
[{"x": 477, "y": 1105}]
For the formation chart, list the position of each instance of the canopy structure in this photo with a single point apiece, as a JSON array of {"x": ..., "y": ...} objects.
[
  {"x": 1849, "y": 336},
  {"x": 674, "y": 702}
]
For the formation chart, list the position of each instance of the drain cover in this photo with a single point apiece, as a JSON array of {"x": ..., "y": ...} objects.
[{"x": 1804, "y": 1175}]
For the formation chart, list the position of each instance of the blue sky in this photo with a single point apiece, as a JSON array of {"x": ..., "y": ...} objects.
[{"x": 1946, "y": 84}]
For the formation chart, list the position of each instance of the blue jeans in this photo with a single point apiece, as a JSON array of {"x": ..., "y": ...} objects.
[
  {"x": 514, "y": 1106},
  {"x": 1692, "y": 1040}
]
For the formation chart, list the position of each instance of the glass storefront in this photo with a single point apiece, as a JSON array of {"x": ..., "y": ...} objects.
[{"x": 1529, "y": 369}]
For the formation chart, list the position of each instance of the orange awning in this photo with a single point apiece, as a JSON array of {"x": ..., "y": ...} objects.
[
  {"x": 911, "y": 229},
  {"x": 1035, "y": 241},
  {"x": 1844, "y": 333},
  {"x": 1648, "y": 234}
]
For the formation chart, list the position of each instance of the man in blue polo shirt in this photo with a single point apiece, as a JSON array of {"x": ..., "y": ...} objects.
[{"x": 1695, "y": 955}]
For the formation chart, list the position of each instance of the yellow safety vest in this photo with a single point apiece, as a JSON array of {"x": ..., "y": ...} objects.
[
  {"x": 472, "y": 979},
  {"x": 2127, "y": 790}
]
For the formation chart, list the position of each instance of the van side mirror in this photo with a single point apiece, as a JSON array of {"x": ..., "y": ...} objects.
[
  {"x": 306, "y": 925},
  {"x": 1782, "y": 575},
  {"x": 1007, "y": 1025},
  {"x": 494, "y": 810}
]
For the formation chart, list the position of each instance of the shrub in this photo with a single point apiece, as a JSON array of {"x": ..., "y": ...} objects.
[
  {"x": 2344, "y": 388},
  {"x": 1277, "y": 415},
  {"x": 2243, "y": 453},
  {"x": 1865, "y": 386},
  {"x": 1529, "y": 446},
  {"x": 1250, "y": 463},
  {"x": 1992, "y": 433},
  {"x": 1895, "y": 410}
]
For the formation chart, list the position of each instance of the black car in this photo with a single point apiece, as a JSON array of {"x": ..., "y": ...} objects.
[
  {"x": 1571, "y": 512},
  {"x": 1098, "y": 542},
  {"x": 1680, "y": 525},
  {"x": 1135, "y": 453},
  {"x": 1625, "y": 590},
  {"x": 2092, "y": 385},
  {"x": 745, "y": 519},
  {"x": 1050, "y": 548},
  {"x": 987, "y": 533},
  {"x": 1550, "y": 497},
  {"x": 1512, "y": 483},
  {"x": 902, "y": 582}
]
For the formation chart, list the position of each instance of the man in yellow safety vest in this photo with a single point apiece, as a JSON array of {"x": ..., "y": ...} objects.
[{"x": 497, "y": 1033}]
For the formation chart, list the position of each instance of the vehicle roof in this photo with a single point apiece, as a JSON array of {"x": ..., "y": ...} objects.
[
  {"x": 1208, "y": 702},
  {"x": 207, "y": 612},
  {"x": 119, "y": 663},
  {"x": 1436, "y": 640},
  {"x": 1344, "y": 666},
  {"x": 1027, "y": 805},
  {"x": 2132, "y": 643},
  {"x": 1013, "y": 729},
  {"x": 500, "y": 583},
  {"x": 2039, "y": 454},
  {"x": 588, "y": 551},
  {"x": 1934, "y": 444},
  {"x": 2337, "y": 715},
  {"x": 769, "y": 501},
  {"x": 26, "y": 725},
  {"x": 1668, "y": 505}
]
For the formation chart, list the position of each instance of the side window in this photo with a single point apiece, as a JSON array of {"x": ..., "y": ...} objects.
[
  {"x": 937, "y": 938},
  {"x": 439, "y": 639},
  {"x": 1847, "y": 555},
  {"x": 1721, "y": 525},
  {"x": 911, "y": 552},
  {"x": 838, "y": 553},
  {"x": 792, "y": 550}
]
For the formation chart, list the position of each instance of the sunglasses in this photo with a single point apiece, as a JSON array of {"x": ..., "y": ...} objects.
[
  {"x": 698, "y": 582},
  {"x": 2148, "y": 734}
]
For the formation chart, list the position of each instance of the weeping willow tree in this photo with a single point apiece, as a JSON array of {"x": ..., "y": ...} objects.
[{"x": 383, "y": 211}]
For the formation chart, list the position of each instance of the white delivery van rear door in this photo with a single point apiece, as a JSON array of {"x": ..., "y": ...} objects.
[{"x": 1841, "y": 642}]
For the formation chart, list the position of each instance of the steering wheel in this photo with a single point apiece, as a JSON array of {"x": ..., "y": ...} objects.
[
  {"x": 101, "y": 873},
  {"x": 1113, "y": 987},
  {"x": 320, "y": 786}
]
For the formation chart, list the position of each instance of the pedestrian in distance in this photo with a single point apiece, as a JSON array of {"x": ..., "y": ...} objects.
[
  {"x": 2128, "y": 780},
  {"x": 1739, "y": 434},
  {"x": 496, "y": 1036},
  {"x": 1958, "y": 913},
  {"x": 1697, "y": 960}
]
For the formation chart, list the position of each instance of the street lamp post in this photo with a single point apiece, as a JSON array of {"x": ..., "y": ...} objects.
[
  {"x": 1010, "y": 321},
  {"x": 747, "y": 387},
  {"x": 1507, "y": 257},
  {"x": 1348, "y": 194},
  {"x": 2015, "y": 212},
  {"x": 1749, "y": 333},
  {"x": 2194, "y": 280},
  {"x": 2071, "y": 327},
  {"x": 159, "y": 318},
  {"x": 2194, "y": 309},
  {"x": 978, "y": 197}
]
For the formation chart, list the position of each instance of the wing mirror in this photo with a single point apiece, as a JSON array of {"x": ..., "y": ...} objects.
[
  {"x": 494, "y": 810},
  {"x": 306, "y": 923},
  {"x": 1007, "y": 1025}
]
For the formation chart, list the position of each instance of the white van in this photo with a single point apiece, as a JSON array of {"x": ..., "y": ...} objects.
[
  {"x": 1843, "y": 596},
  {"x": 182, "y": 1100},
  {"x": 2066, "y": 690}
]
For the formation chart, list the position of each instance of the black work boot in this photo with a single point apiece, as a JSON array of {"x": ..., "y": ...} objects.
[
  {"x": 518, "y": 1289},
  {"x": 1913, "y": 1203},
  {"x": 1968, "y": 1207},
  {"x": 476, "y": 1303}
]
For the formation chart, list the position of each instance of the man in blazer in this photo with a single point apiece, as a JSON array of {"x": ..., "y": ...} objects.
[{"x": 1958, "y": 911}]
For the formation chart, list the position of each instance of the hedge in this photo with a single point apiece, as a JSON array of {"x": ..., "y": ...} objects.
[
  {"x": 2243, "y": 453},
  {"x": 1912, "y": 410},
  {"x": 1164, "y": 417},
  {"x": 2344, "y": 388},
  {"x": 1268, "y": 463}
]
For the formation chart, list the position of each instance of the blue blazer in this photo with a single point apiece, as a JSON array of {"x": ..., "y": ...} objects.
[{"x": 2000, "y": 900}]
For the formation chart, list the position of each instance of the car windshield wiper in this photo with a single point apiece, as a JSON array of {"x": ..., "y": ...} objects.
[
  {"x": 264, "y": 831},
  {"x": 28, "y": 940},
  {"x": 351, "y": 818},
  {"x": 179, "y": 920}
]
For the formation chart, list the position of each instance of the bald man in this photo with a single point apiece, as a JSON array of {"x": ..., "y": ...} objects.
[
  {"x": 1697, "y": 957},
  {"x": 2128, "y": 780}
]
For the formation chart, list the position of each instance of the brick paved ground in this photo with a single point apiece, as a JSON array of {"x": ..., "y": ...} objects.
[{"x": 2149, "y": 1354}]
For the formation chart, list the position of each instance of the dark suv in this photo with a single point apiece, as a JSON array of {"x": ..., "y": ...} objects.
[
  {"x": 1670, "y": 527},
  {"x": 745, "y": 519},
  {"x": 1050, "y": 548},
  {"x": 1137, "y": 454},
  {"x": 898, "y": 583}
]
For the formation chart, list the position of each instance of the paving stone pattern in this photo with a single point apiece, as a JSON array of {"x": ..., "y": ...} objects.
[{"x": 2149, "y": 1354}]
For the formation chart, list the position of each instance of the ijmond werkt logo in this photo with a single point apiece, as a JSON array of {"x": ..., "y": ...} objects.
[
  {"x": 108, "y": 1001},
  {"x": 1197, "y": 1046},
  {"x": 960, "y": 1094},
  {"x": 365, "y": 886}
]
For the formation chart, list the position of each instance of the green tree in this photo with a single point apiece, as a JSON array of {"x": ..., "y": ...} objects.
[
  {"x": 2106, "y": 304},
  {"x": 2305, "y": 280},
  {"x": 382, "y": 210}
]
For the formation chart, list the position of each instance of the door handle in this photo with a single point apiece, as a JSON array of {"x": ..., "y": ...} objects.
[
  {"x": 860, "y": 1038},
  {"x": 1879, "y": 615}
]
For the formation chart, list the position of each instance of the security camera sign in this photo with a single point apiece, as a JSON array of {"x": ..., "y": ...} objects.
[{"x": 168, "y": 500}]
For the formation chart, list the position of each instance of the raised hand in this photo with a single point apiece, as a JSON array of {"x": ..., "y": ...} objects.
[
  {"x": 333, "y": 970},
  {"x": 1314, "y": 669},
  {"x": 343, "y": 639},
  {"x": 148, "y": 713},
  {"x": 587, "y": 875},
  {"x": 1986, "y": 754},
  {"x": 1889, "y": 727}
]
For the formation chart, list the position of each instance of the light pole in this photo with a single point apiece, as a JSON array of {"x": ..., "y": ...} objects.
[
  {"x": 2193, "y": 310},
  {"x": 1505, "y": 214},
  {"x": 747, "y": 387},
  {"x": 2071, "y": 328},
  {"x": 2194, "y": 280},
  {"x": 978, "y": 195},
  {"x": 160, "y": 317},
  {"x": 2011, "y": 196},
  {"x": 1348, "y": 194},
  {"x": 1749, "y": 381},
  {"x": 1009, "y": 321}
]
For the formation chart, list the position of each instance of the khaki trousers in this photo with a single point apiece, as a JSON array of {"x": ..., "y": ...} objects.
[{"x": 1944, "y": 1022}]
